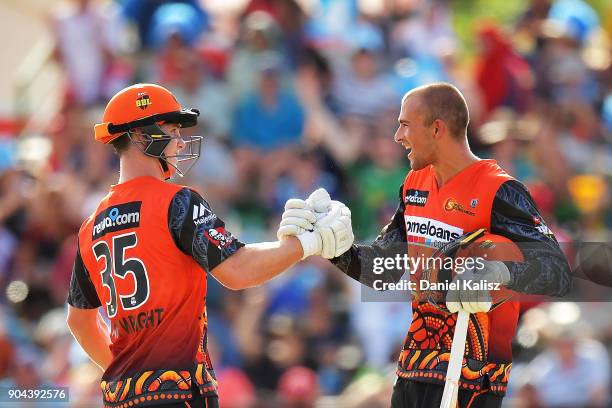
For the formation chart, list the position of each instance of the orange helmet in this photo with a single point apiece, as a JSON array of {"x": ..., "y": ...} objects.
[{"x": 141, "y": 105}]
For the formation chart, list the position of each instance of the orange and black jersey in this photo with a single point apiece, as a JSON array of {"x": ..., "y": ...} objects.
[
  {"x": 514, "y": 215},
  {"x": 480, "y": 196},
  {"x": 144, "y": 256}
]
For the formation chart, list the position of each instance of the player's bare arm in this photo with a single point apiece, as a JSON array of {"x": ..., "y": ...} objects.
[
  {"x": 92, "y": 333},
  {"x": 200, "y": 233},
  {"x": 254, "y": 264},
  {"x": 316, "y": 226},
  {"x": 84, "y": 319}
]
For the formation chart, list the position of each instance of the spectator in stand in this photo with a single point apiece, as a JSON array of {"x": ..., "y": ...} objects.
[
  {"x": 86, "y": 37},
  {"x": 530, "y": 21},
  {"x": 215, "y": 172},
  {"x": 364, "y": 78},
  {"x": 379, "y": 174},
  {"x": 260, "y": 36},
  {"x": 573, "y": 372},
  {"x": 290, "y": 18},
  {"x": 175, "y": 29},
  {"x": 197, "y": 87},
  {"x": 562, "y": 76},
  {"x": 156, "y": 19},
  {"x": 298, "y": 388},
  {"x": 170, "y": 60},
  {"x": 502, "y": 75},
  {"x": 304, "y": 173},
  {"x": 271, "y": 117},
  {"x": 323, "y": 128},
  {"x": 424, "y": 33},
  {"x": 507, "y": 137}
]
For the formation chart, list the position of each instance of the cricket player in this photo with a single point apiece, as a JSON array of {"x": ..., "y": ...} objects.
[
  {"x": 449, "y": 192},
  {"x": 145, "y": 254}
]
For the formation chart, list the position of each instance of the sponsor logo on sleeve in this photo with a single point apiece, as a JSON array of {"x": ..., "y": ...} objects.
[
  {"x": 416, "y": 197},
  {"x": 220, "y": 237},
  {"x": 116, "y": 218},
  {"x": 431, "y": 230},
  {"x": 202, "y": 215}
]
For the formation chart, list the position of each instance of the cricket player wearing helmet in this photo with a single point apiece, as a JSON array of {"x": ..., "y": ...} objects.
[{"x": 145, "y": 254}]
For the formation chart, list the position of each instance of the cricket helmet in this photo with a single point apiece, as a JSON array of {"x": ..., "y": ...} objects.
[{"x": 145, "y": 107}]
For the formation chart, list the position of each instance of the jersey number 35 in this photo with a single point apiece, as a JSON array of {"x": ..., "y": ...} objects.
[{"x": 116, "y": 265}]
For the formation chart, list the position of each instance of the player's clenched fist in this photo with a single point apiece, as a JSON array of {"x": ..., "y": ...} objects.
[
  {"x": 299, "y": 218},
  {"x": 301, "y": 215},
  {"x": 472, "y": 287},
  {"x": 336, "y": 230},
  {"x": 323, "y": 226}
]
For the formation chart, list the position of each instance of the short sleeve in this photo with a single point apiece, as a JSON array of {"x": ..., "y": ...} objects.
[
  {"x": 198, "y": 231},
  {"x": 82, "y": 293}
]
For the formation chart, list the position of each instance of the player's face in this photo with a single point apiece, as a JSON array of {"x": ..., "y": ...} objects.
[
  {"x": 176, "y": 144},
  {"x": 414, "y": 135}
]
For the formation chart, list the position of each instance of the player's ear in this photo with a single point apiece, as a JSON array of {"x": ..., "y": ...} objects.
[
  {"x": 436, "y": 127},
  {"x": 137, "y": 135}
]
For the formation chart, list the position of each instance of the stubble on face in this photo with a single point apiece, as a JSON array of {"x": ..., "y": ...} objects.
[{"x": 419, "y": 142}]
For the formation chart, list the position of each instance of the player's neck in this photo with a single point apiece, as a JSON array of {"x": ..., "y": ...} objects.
[
  {"x": 131, "y": 168},
  {"x": 452, "y": 161}
]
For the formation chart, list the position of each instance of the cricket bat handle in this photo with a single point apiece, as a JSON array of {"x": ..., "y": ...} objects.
[{"x": 453, "y": 373}]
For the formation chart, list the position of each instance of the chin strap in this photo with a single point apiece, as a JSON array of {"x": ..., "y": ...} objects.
[{"x": 167, "y": 173}]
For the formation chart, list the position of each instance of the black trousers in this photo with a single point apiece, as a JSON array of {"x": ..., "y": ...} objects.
[{"x": 413, "y": 394}]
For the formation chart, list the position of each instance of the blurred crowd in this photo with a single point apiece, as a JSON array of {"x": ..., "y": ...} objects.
[{"x": 296, "y": 95}]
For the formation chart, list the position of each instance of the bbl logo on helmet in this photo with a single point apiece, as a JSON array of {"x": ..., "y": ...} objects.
[{"x": 143, "y": 101}]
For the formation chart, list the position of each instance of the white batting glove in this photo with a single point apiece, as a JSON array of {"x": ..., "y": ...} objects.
[
  {"x": 471, "y": 294},
  {"x": 333, "y": 222},
  {"x": 336, "y": 230},
  {"x": 320, "y": 202},
  {"x": 298, "y": 220},
  {"x": 300, "y": 215}
]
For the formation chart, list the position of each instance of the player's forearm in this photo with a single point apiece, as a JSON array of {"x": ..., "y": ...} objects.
[
  {"x": 349, "y": 263},
  {"x": 94, "y": 337},
  {"x": 257, "y": 263},
  {"x": 358, "y": 263},
  {"x": 544, "y": 272}
]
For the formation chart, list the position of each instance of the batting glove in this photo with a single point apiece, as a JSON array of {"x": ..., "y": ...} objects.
[
  {"x": 299, "y": 218},
  {"x": 336, "y": 230},
  {"x": 472, "y": 286}
]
